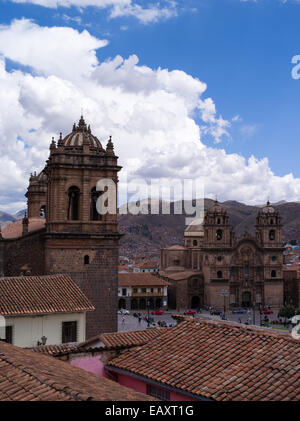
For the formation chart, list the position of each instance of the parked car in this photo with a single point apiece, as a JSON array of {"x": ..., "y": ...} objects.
[
  {"x": 239, "y": 311},
  {"x": 158, "y": 312},
  {"x": 123, "y": 311},
  {"x": 216, "y": 312},
  {"x": 190, "y": 312},
  {"x": 267, "y": 311}
]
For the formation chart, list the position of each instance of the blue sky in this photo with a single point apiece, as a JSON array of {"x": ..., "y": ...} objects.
[{"x": 242, "y": 50}]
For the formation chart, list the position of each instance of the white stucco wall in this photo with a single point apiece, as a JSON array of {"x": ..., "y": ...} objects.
[{"x": 28, "y": 330}]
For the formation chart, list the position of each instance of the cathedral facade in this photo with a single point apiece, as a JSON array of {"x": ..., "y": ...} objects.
[
  {"x": 215, "y": 268},
  {"x": 62, "y": 231}
]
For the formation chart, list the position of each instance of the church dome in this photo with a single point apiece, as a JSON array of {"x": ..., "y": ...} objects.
[
  {"x": 268, "y": 208},
  {"x": 81, "y": 134}
]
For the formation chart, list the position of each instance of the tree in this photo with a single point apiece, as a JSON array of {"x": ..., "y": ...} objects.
[
  {"x": 287, "y": 312},
  {"x": 298, "y": 312}
]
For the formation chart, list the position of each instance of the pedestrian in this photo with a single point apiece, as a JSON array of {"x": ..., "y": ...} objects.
[
  {"x": 239, "y": 320},
  {"x": 139, "y": 317},
  {"x": 123, "y": 319}
]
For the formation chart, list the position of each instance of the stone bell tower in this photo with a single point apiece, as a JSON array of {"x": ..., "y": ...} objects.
[
  {"x": 79, "y": 240},
  {"x": 216, "y": 228}
]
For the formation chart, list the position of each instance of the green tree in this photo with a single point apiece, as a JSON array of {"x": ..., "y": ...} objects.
[
  {"x": 286, "y": 312},
  {"x": 298, "y": 312}
]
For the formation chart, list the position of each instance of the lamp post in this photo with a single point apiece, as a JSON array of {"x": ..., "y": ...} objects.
[
  {"x": 148, "y": 305},
  {"x": 224, "y": 292}
]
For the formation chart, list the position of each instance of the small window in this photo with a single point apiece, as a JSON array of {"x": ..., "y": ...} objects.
[
  {"x": 219, "y": 274},
  {"x": 219, "y": 258},
  {"x": 219, "y": 235},
  {"x": 86, "y": 260},
  {"x": 158, "y": 289},
  {"x": 271, "y": 222},
  {"x": 273, "y": 274},
  {"x": 272, "y": 235},
  {"x": 69, "y": 332},
  {"x": 246, "y": 270},
  {"x": 135, "y": 290},
  {"x": 152, "y": 290},
  {"x": 143, "y": 290},
  {"x": 157, "y": 392},
  {"x": 219, "y": 221},
  {"x": 273, "y": 258},
  {"x": 124, "y": 292},
  {"x": 195, "y": 242}
]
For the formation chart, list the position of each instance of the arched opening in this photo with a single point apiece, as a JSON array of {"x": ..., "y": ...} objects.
[
  {"x": 122, "y": 303},
  {"x": 219, "y": 274},
  {"x": 73, "y": 203},
  {"x": 273, "y": 274},
  {"x": 43, "y": 211},
  {"x": 272, "y": 235},
  {"x": 151, "y": 303},
  {"x": 134, "y": 304},
  {"x": 219, "y": 235},
  {"x": 158, "y": 303},
  {"x": 95, "y": 216},
  {"x": 195, "y": 302},
  {"x": 86, "y": 260},
  {"x": 246, "y": 299},
  {"x": 142, "y": 305}
]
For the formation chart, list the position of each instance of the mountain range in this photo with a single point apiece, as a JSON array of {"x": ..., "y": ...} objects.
[{"x": 145, "y": 234}]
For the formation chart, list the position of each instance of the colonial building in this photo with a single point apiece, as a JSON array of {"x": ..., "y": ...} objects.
[
  {"x": 137, "y": 290},
  {"x": 63, "y": 232},
  {"x": 216, "y": 268},
  {"x": 47, "y": 309}
]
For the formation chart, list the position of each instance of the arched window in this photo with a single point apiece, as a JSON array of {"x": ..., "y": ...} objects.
[
  {"x": 43, "y": 211},
  {"x": 95, "y": 216},
  {"x": 73, "y": 203},
  {"x": 219, "y": 235},
  {"x": 219, "y": 274},
  {"x": 86, "y": 260},
  {"x": 273, "y": 274},
  {"x": 272, "y": 235}
]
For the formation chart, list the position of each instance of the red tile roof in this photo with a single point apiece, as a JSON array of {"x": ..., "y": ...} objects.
[
  {"x": 29, "y": 376},
  {"x": 131, "y": 338},
  {"x": 147, "y": 265},
  {"x": 28, "y": 295},
  {"x": 140, "y": 279},
  {"x": 14, "y": 230},
  {"x": 219, "y": 361}
]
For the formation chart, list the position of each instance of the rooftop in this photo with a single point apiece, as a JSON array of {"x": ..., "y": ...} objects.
[
  {"x": 14, "y": 230},
  {"x": 219, "y": 361},
  {"x": 140, "y": 279},
  {"x": 29, "y": 376},
  {"x": 32, "y": 295}
]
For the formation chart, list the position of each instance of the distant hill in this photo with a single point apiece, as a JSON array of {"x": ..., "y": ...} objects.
[{"x": 146, "y": 234}]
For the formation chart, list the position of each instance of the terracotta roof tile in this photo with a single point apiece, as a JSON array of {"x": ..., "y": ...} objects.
[
  {"x": 24, "y": 295},
  {"x": 131, "y": 338},
  {"x": 27, "y": 376},
  {"x": 219, "y": 360},
  {"x": 140, "y": 279}
]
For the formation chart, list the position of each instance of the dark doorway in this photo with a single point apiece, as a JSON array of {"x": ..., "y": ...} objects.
[
  {"x": 158, "y": 303},
  {"x": 134, "y": 304},
  {"x": 142, "y": 303},
  {"x": 246, "y": 299},
  {"x": 122, "y": 303},
  {"x": 195, "y": 302}
]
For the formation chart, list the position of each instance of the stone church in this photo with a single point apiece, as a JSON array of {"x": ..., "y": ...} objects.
[
  {"x": 62, "y": 231},
  {"x": 215, "y": 267}
]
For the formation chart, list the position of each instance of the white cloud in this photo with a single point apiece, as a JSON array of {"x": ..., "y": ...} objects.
[
  {"x": 150, "y": 113},
  {"x": 118, "y": 8}
]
